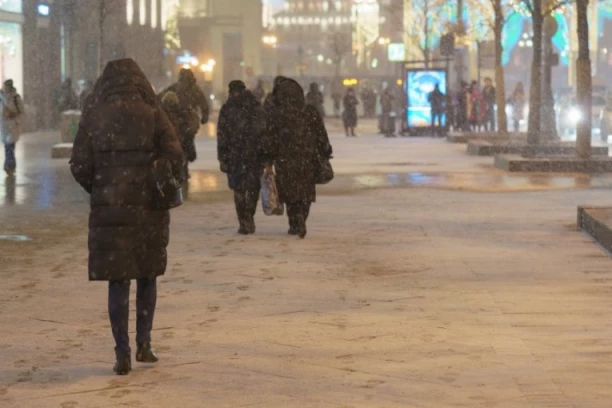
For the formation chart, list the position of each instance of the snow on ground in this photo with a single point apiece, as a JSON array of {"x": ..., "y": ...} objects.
[{"x": 397, "y": 298}]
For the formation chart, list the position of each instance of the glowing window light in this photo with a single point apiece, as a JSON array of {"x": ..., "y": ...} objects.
[{"x": 154, "y": 13}]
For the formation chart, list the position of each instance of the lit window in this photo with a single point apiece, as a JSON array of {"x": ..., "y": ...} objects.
[
  {"x": 130, "y": 11},
  {"x": 325, "y": 5},
  {"x": 338, "y": 5},
  {"x": 154, "y": 13},
  {"x": 143, "y": 12}
]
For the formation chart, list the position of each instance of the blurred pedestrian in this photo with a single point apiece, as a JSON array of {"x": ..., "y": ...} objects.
[
  {"x": 172, "y": 106},
  {"x": 437, "y": 102},
  {"x": 518, "y": 100},
  {"x": 241, "y": 125},
  {"x": 337, "y": 97},
  {"x": 387, "y": 119},
  {"x": 12, "y": 110},
  {"x": 65, "y": 99},
  {"x": 87, "y": 90},
  {"x": 368, "y": 97},
  {"x": 269, "y": 101},
  {"x": 194, "y": 105},
  {"x": 295, "y": 141},
  {"x": 314, "y": 97},
  {"x": 350, "y": 112},
  {"x": 488, "y": 96},
  {"x": 476, "y": 107},
  {"x": 259, "y": 92},
  {"x": 122, "y": 137}
]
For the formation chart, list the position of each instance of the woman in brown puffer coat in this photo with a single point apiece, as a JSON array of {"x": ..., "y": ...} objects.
[{"x": 121, "y": 134}]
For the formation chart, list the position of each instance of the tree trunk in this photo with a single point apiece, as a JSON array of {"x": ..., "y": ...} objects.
[
  {"x": 583, "y": 81},
  {"x": 548, "y": 125},
  {"x": 500, "y": 82},
  {"x": 426, "y": 28},
  {"x": 535, "y": 91}
]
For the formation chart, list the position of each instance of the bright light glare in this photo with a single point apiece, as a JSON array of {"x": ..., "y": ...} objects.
[{"x": 575, "y": 115}]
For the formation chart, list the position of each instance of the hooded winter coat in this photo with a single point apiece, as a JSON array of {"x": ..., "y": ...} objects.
[
  {"x": 295, "y": 138},
  {"x": 192, "y": 100},
  {"x": 241, "y": 125},
  {"x": 11, "y": 113},
  {"x": 122, "y": 132}
]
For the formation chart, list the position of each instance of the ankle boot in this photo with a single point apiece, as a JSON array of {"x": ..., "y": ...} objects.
[
  {"x": 123, "y": 365},
  {"x": 145, "y": 354}
]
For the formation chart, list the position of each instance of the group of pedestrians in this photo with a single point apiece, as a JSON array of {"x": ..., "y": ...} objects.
[
  {"x": 127, "y": 133},
  {"x": 285, "y": 136},
  {"x": 474, "y": 109}
]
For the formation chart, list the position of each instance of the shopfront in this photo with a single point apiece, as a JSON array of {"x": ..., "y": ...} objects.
[{"x": 11, "y": 42}]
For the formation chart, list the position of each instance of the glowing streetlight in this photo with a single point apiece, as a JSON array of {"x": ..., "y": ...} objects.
[
  {"x": 320, "y": 58},
  {"x": 270, "y": 40},
  {"x": 384, "y": 41}
]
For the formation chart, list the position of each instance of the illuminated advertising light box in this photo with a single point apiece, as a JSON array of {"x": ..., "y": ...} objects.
[
  {"x": 396, "y": 52},
  {"x": 418, "y": 85}
]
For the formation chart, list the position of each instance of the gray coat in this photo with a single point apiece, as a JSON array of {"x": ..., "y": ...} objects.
[{"x": 11, "y": 113}]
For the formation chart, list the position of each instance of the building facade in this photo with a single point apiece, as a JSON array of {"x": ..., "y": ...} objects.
[
  {"x": 225, "y": 39},
  {"x": 48, "y": 42},
  {"x": 314, "y": 37}
]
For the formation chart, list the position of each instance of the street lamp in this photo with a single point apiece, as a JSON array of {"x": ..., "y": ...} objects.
[
  {"x": 270, "y": 40},
  {"x": 384, "y": 41}
]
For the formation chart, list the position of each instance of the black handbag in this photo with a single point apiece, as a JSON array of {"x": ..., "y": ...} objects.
[
  {"x": 167, "y": 194},
  {"x": 325, "y": 171}
]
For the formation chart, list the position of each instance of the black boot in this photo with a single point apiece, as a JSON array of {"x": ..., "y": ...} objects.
[
  {"x": 301, "y": 227},
  {"x": 145, "y": 354},
  {"x": 123, "y": 365}
]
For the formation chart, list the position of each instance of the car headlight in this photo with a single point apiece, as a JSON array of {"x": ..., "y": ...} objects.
[{"x": 574, "y": 115}]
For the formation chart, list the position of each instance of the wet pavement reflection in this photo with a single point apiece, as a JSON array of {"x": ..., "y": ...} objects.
[{"x": 52, "y": 188}]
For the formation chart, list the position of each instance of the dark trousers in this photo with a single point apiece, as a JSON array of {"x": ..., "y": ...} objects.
[
  {"x": 246, "y": 205},
  {"x": 10, "y": 162},
  {"x": 436, "y": 122},
  {"x": 119, "y": 311},
  {"x": 298, "y": 213}
]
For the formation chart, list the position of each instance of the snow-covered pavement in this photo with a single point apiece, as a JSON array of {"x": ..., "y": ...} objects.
[{"x": 403, "y": 297}]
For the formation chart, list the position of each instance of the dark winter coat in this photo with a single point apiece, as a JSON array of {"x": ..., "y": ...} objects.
[
  {"x": 295, "y": 136},
  {"x": 350, "y": 111},
  {"x": 315, "y": 98},
  {"x": 192, "y": 99},
  {"x": 239, "y": 130},
  {"x": 122, "y": 132}
]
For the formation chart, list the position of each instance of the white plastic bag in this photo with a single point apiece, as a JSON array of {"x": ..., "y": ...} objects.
[{"x": 269, "y": 195}]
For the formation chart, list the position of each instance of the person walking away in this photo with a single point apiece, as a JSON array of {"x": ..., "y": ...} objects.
[
  {"x": 368, "y": 97},
  {"x": 172, "y": 106},
  {"x": 517, "y": 100},
  {"x": 194, "y": 106},
  {"x": 437, "y": 102},
  {"x": 387, "y": 121},
  {"x": 87, "y": 90},
  {"x": 314, "y": 97},
  {"x": 66, "y": 99},
  {"x": 268, "y": 104},
  {"x": 488, "y": 96},
  {"x": 259, "y": 92},
  {"x": 239, "y": 130},
  {"x": 294, "y": 142},
  {"x": 462, "y": 107},
  {"x": 475, "y": 107},
  {"x": 121, "y": 136},
  {"x": 350, "y": 112},
  {"x": 337, "y": 98},
  {"x": 12, "y": 110}
]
